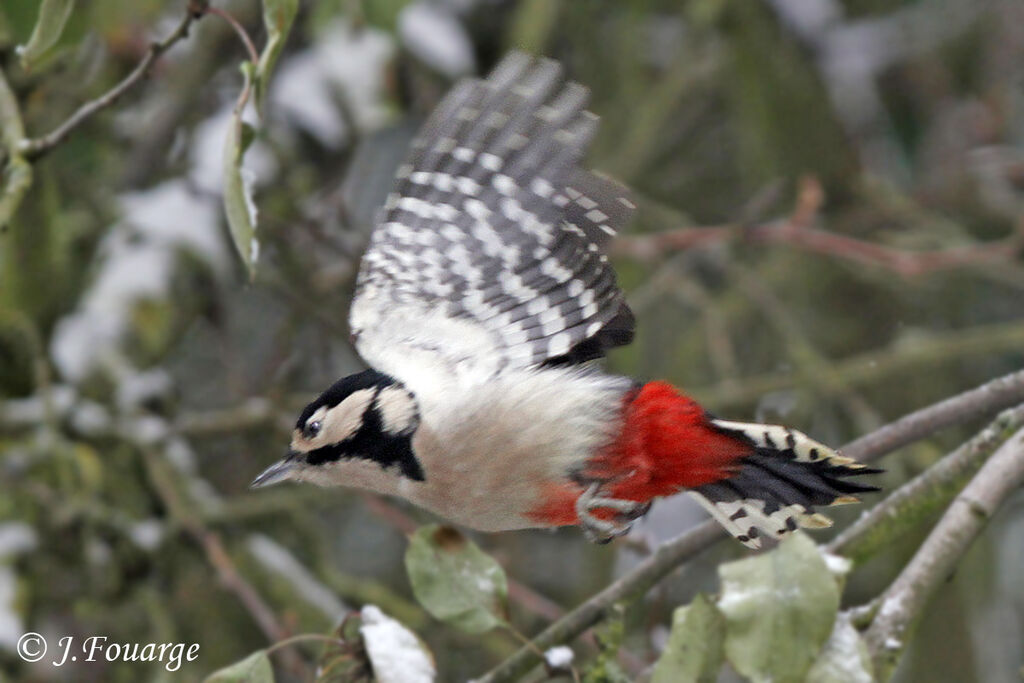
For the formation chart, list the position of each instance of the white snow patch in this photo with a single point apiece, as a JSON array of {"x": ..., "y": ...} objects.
[
  {"x": 147, "y": 534},
  {"x": 137, "y": 259},
  {"x": 280, "y": 561},
  {"x": 436, "y": 36},
  {"x": 892, "y": 605},
  {"x": 148, "y": 430},
  {"x": 893, "y": 643},
  {"x": 395, "y": 652},
  {"x": 559, "y": 657},
  {"x": 180, "y": 455},
  {"x": 11, "y": 625},
  {"x": 90, "y": 418},
  {"x": 347, "y": 60},
  {"x": 837, "y": 565},
  {"x": 172, "y": 216},
  {"x": 135, "y": 388},
  {"x": 16, "y": 538},
  {"x": 32, "y": 410}
]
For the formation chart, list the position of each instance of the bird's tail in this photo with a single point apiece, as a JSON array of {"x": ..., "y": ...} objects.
[
  {"x": 776, "y": 488},
  {"x": 756, "y": 480}
]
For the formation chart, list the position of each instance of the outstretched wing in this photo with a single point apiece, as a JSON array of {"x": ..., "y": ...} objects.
[{"x": 491, "y": 249}]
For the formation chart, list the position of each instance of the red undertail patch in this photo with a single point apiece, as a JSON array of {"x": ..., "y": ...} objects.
[{"x": 666, "y": 444}]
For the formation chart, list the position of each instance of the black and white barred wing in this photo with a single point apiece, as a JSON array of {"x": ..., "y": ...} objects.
[{"x": 491, "y": 248}]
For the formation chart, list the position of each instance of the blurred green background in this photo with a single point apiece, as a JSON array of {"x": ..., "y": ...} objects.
[{"x": 144, "y": 381}]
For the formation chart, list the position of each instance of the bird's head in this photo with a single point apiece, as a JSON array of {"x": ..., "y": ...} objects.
[{"x": 368, "y": 416}]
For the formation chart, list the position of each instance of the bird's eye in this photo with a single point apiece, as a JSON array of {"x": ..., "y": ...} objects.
[{"x": 312, "y": 429}]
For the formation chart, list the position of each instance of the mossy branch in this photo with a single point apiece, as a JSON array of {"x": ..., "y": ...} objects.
[
  {"x": 924, "y": 495},
  {"x": 902, "y": 604}
]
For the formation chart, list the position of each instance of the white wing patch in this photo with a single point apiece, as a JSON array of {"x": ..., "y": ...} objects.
[{"x": 481, "y": 229}]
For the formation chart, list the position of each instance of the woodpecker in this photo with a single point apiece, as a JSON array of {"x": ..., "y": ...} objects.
[{"x": 483, "y": 305}]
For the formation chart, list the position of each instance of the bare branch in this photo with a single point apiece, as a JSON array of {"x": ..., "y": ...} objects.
[
  {"x": 184, "y": 513},
  {"x": 798, "y": 231},
  {"x": 243, "y": 35},
  {"x": 33, "y": 148},
  {"x": 998, "y": 394},
  {"x": 903, "y": 602},
  {"x": 882, "y": 364},
  {"x": 926, "y": 493}
]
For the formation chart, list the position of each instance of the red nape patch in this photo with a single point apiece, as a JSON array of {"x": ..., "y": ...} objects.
[{"x": 666, "y": 444}]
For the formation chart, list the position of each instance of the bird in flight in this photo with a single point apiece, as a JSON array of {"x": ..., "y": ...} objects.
[{"x": 483, "y": 306}]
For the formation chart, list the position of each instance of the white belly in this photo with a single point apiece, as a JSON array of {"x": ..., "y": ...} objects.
[{"x": 488, "y": 452}]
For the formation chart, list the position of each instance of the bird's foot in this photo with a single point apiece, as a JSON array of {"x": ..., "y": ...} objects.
[{"x": 600, "y": 530}]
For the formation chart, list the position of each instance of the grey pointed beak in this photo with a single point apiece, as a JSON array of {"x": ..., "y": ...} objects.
[{"x": 278, "y": 472}]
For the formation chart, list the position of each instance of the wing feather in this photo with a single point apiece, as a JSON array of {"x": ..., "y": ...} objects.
[{"x": 490, "y": 250}]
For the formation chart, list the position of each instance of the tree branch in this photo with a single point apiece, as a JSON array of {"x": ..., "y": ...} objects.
[
  {"x": 904, "y": 600},
  {"x": 871, "y": 366},
  {"x": 798, "y": 231},
  {"x": 992, "y": 396},
  {"x": 33, "y": 148},
  {"x": 995, "y": 395},
  {"x": 931, "y": 490}
]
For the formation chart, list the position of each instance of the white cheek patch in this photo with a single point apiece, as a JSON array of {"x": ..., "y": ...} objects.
[
  {"x": 398, "y": 411},
  {"x": 343, "y": 420}
]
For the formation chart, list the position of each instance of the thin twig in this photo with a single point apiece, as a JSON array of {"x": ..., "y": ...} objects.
[
  {"x": 864, "y": 368},
  {"x": 184, "y": 513},
  {"x": 993, "y": 396},
  {"x": 904, "y": 600},
  {"x": 254, "y": 56},
  {"x": 33, "y": 148},
  {"x": 235, "y": 583},
  {"x": 798, "y": 231}
]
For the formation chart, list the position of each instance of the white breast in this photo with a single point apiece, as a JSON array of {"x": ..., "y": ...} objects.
[{"x": 488, "y": 449}]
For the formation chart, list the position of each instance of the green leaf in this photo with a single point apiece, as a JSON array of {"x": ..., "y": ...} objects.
[
  {"x": 694, "y": 651},
  {"x": 845, "y": 657},
  {"x": 53, "y": 15},
  {"x": 238, "y": 203},
  {"x": 277, "y": 19},
  {"x": 253, "y": 669},
  {"x": 456, "y": 581},
  {"x": 779, "y": 610}
]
